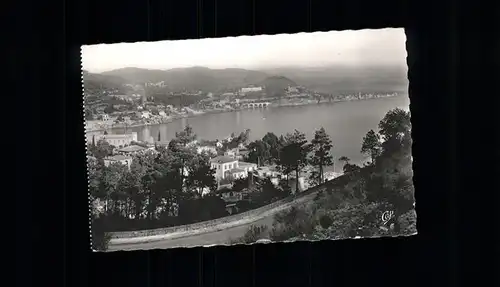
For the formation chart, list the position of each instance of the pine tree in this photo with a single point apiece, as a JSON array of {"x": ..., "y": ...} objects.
[
  {"x": 321, "y": 146},
  {"x": 293, "y": 155},
  {"x": 371, "y": 145}
]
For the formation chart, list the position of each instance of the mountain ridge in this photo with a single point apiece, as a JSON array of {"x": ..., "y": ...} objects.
[{"x": 330, "y": 79}]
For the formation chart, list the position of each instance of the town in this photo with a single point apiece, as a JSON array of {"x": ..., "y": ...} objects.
[
  {"x": 153, "y": 103},
  {"x": 240, "y": 169}
]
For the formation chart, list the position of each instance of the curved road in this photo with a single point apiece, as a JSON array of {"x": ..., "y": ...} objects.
[
  {"x": 216, "y": 237},
  {"x": 208, "y": 238}
]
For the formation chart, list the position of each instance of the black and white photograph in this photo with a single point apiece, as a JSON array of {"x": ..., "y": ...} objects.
[{"x": 248, "y": 140}]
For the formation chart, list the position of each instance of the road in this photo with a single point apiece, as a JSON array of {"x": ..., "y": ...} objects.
[
  {"x": 210, "y": 238},
  {"x": 213, "y": 237}
]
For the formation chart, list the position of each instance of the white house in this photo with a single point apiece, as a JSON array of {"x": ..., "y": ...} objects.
[
  {"x": 223, "y": 165},
  {"x": 146, "y": 115},
  {"x": 226, "y": 166},
  {"x": 125, "y": 160},
  {"x": 162, "y": 113},
  {"x": 251, "y": 89}
]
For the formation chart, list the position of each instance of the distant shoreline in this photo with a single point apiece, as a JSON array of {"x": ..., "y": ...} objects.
[{"x": 167, "y": 121}]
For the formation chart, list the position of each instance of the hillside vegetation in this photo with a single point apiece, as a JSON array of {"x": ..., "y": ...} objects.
[
  {"x": 195, "y": 78},
  {"x": 332, "y": 80},
  {"x": 96, "y": 83},
  {"x": 276, "y": 85},
  {"x": 354, "y": 205}
]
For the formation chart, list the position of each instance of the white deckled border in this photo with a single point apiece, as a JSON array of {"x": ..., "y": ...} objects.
[{"x": 86, "y": 150}]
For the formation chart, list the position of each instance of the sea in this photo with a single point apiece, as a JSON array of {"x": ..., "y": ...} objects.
[{"x": 345, "y": 122}]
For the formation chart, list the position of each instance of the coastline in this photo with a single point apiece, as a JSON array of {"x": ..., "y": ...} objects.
[{"x": 207, "y": 112}]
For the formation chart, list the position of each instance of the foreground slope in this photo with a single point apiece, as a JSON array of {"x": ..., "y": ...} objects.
[{"x": 219, "y": 234}]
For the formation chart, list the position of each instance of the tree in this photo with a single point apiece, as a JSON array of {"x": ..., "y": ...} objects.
[
  {"x": 185, "y": 136},
  {"x": 94, "y": 170},
  {"x": 259, "y": 152},
  {"x": 110, "y": 179},
  {"x": 180, "y": 153},
  {"x": 395, "y": 129},
  {"x": 293, "y": 156},
  {"x": 321, "y": 146},
  {"x": 240, "y": 183},
  {"x": 101, "y": 149},
  {"x": 371, "y": 145},
  {"x": 345, "y": 159},
  {"x": 200, "y": 175},
  {"x": 244, "y": 137},
  {"x": 350, "y": 168},
  {"x": 109, "y": 109},
  {"x": 274, "y": 145},
  {"x": 131, "y": 195}
]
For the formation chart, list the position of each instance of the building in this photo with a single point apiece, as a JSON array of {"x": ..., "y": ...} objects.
[
  {"x": 207, "y": 149},
  {"x": 132, "y": 150},
  {"x": 247, "y": 166},
  {"x": 229, "y": 167},
  {"x": 251, "y": 89},
  {"x": 162, "y": 113},
  {"x": 238, "y": 173},
  {"x": 267, "y": 171},
  {"x": 222, "y": 165},
  {"x": 232, "y": 153},
  {"x": 146, "y": 115},
  {"x": 125, "y": 160},
  {"x": 117, "y": 140}
]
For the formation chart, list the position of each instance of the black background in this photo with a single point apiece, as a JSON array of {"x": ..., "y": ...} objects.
[{"x": 452, "y": 138}]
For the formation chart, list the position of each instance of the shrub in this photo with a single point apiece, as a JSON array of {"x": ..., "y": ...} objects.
[
  {"x": 100, "y": 238},
  {"x": 325, "y": 221},
  {"x": 253, "y": 234}
]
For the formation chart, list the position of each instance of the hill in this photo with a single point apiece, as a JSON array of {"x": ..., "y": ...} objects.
[
  {"x": 97, "y": 82},
  {"x": 194, "y": 78},
  {"x": 276, "y": 85},
  {"x": 343, "y": 80},
  {"x": 330, "y": 79}
]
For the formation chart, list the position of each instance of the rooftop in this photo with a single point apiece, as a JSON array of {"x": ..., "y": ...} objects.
[
  {"x": 132, "y": 148},
  {"x": 118, "y": 157},
  {"x": 118, "y": 136},
  {"x": 242, "y": 163},
  {"x": 222, "y": 159}
]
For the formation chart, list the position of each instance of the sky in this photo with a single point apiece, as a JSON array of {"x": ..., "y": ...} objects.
[{"x": 347, "y": 48}]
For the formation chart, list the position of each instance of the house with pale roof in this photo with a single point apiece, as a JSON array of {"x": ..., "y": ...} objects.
[
  {"x": 125, "y": 160},
  {"x": 230, "y": 167},
  {"x": 132, "y": 150}
]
